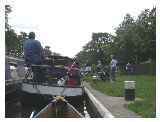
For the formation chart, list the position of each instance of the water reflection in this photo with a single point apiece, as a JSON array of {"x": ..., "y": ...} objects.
[{"x": 16, "y": 110}]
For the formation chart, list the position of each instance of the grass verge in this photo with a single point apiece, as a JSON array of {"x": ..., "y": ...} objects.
[{"x": 145, "y": 89}]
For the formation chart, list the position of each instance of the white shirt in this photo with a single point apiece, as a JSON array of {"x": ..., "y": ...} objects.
[{"x": 114, "y": 63}]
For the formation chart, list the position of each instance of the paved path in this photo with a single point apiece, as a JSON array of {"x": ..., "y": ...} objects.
[{"x": 116, "y": 105}]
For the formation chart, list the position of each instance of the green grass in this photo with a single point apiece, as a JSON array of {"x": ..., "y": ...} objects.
[{"x": 145, "y": 89}]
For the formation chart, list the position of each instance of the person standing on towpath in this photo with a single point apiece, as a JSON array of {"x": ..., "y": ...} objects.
[{"x": 113, "y": 66}]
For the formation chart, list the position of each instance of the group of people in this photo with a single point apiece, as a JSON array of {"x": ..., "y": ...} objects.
[
  {"x": 111, "y": 69},
  {"x": 34, "y": 56},
  {"x": 111, "y": 73}
]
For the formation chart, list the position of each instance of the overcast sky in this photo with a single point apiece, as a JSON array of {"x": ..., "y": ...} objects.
[{"x": 67, "y": 25}]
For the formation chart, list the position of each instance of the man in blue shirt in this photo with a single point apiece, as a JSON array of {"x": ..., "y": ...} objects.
[
  {"x": 32, "y": 50},
  {"x": 33, "y": 56}
]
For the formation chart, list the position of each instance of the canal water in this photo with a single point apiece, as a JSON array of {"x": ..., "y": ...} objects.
[{"x": 17, "y": 110}]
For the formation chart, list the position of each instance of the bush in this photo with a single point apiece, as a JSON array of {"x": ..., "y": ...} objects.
[{"x": 140, "y": 69}]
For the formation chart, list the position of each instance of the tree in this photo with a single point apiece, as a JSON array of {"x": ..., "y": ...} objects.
[
  {"x": 21, "y": 38},
  {"x": 13, "y": 42},
  {"x": 47, "y": 52},
  {"x": 96, "y": 49},
  {"x": 146, "y": 31},
  {"x": 8, "y": 10},
  {"x": 135, "y": 41},
  {"x": 10, "y": 35},
  {"x": 125, "y": 40}
]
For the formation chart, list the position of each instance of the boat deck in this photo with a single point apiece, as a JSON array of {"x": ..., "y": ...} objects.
[{"x": 51, "y": 89}]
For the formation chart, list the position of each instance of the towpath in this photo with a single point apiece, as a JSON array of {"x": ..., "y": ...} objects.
[{"x": 116, "y": 105}]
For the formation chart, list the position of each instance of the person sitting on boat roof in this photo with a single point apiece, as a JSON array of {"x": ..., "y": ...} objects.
[{"x": 74, "y": 73}]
